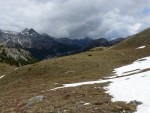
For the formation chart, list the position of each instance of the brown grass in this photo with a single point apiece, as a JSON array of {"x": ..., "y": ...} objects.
[{"x": 39, "y": 78}]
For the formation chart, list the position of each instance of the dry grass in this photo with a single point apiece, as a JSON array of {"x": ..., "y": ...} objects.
[
  {"x": 39, "y": 78},
  {"x": 135, "y": 41},
  {"x": 6, "y": 69}
]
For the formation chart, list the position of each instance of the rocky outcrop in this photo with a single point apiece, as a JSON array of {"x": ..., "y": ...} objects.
[{"x": 15, "y": 56}]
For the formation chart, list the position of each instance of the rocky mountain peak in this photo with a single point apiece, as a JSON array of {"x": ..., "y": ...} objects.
[
  {"x": 29, "y": 31},
  {"x": 25, "y": 31}
]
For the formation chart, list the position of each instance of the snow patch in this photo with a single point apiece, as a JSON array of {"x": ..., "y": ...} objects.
[
  {"x": 141, "y": 47},
  {"x": 136, "y": 87},
  {"x": 80, "y": 84},
  {"x": 131, "y": 82},
  {"x": 16, "y": 69},
  {"x": 127, "y": 70},
  {"x": 135, "y": 67},
  {"x": 19, "y": 42},
  {"x": 2, "y": 76},
  {"x": 86, "y": 104}
]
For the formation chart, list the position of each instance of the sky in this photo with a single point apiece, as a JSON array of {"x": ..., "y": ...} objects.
[{"x": 76, "y": 18}]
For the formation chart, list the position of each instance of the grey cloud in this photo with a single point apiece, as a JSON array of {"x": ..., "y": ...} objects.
[{"x": 76, "y": 18}]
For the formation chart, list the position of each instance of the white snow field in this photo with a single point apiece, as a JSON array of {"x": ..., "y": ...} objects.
[
  {"x": 133, "y": 87},
  {"x": 129, "y": 83}
]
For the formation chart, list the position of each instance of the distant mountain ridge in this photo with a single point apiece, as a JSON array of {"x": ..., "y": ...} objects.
[{"x": 42, "y": 46}]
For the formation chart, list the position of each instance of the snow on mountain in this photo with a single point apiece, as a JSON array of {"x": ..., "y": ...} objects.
[
  {"x": 30, "y": 32},
  {"x": 130, "y": 82},
  {"x": 9, "y": 32},
  {"x": 19, "y": 41},
  {"x": 43, "y": 46}
]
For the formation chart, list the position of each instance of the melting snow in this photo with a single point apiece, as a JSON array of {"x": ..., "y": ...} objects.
[
  {"x": 141, "y": 47},
  {"x": 16, "y": 69},
  {"x": 135, "y": 87},
  {"x": 133, "y": 68},
  {"x": 86, "y": 104},
  {"x": 2, "y": 76},
  {"x": 130, "y": 82}
]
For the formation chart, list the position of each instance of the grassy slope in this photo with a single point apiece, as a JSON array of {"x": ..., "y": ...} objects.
[
  {"x": 134, "y": 41},
  {"x": 5, "y": 69},
  {"x": 39, "y": 78}
]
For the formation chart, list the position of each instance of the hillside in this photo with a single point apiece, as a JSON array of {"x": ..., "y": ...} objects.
[
  {"x": 135, "y": 41},
  {"x": 32, "y": 86},
  {"x": 5, "y": 69}
]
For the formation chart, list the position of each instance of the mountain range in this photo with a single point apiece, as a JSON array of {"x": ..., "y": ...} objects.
[{"x": 43, "y": 46}]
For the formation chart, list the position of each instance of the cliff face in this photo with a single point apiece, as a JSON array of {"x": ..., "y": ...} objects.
[{"x": 15, "y": 56}]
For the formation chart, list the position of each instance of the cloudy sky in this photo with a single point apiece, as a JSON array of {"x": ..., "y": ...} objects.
[{"x": 76, "y": 18}]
